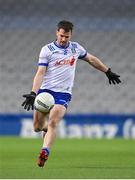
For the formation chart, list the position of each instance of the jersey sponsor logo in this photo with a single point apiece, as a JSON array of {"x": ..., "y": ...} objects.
[
  {"x": 65, "y": 62},
  {"x": 72, "y": 61}
]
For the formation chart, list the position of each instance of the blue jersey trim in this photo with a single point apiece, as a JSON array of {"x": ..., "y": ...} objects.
[
  {"x": 81, "y": 57},
  {"x": 43, "y": 64},
  {"x": 57, "y": 45},
  {"x": 51, "y": 47},
  {"x": 74, "y": 45}
]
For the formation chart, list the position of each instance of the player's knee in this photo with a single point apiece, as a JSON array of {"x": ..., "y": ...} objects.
[
  {"x": 36, "y": 128},
  {"x": 52, "y": 124}
]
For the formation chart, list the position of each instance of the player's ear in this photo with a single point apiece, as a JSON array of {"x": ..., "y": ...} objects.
[{"x": 56, "y": 32}]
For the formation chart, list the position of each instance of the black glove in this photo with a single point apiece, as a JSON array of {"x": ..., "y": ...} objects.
[
  {"x": 113, "y": 78},
  {"x": 29, "y": 101}
]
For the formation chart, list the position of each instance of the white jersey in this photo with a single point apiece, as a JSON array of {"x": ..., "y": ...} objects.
[{"x": 61, "y": 64}]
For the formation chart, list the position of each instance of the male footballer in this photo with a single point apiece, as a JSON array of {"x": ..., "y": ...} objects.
[{"x": 55, "y": 74}]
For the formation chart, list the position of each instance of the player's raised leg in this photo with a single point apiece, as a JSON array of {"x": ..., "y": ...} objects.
[
  {"x": 56, "y": 114},
  {"x": 39, "y": 121}
]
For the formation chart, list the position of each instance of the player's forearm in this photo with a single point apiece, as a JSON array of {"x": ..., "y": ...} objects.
[
  {"x": 37, "y": 82},
  {"x": 97, "y": 63}
]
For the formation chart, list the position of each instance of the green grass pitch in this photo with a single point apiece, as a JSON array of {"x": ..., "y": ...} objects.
[{"x": 69, "y": 159}]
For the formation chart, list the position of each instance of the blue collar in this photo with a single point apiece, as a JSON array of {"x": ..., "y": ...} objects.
[{"x": 59, "y": 46}]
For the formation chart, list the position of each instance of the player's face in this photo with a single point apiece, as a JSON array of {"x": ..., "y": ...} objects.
[{"x": 63, "y": 37}]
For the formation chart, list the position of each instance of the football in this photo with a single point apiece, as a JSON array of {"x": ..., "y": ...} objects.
[{"x": 44, "y": 102}]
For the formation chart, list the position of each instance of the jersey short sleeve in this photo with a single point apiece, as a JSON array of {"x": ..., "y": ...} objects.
[
  {"x": 43, "y": 57},
  {"x": 82, "y": 51}
]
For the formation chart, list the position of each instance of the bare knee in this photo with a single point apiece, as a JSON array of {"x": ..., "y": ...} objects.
[
  {"x": 37, "y": 127},
  {"x": 52, "y": 124},
  {"x": 39, "y": 120}
]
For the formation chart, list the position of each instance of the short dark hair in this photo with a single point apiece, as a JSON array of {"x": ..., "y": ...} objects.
[{"x": 66, "y": 25}]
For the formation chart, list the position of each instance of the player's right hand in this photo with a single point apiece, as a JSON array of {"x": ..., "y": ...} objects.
[{"x": 29, "y": 101}]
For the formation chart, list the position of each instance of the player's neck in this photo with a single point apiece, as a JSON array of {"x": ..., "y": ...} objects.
[{"x": 58, "y": 45}]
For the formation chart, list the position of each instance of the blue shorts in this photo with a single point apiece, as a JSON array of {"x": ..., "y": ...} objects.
[{"x": 60, "y": 97}]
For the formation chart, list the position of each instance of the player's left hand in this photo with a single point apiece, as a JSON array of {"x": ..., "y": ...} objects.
[{"x": 113, "y": 78}]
